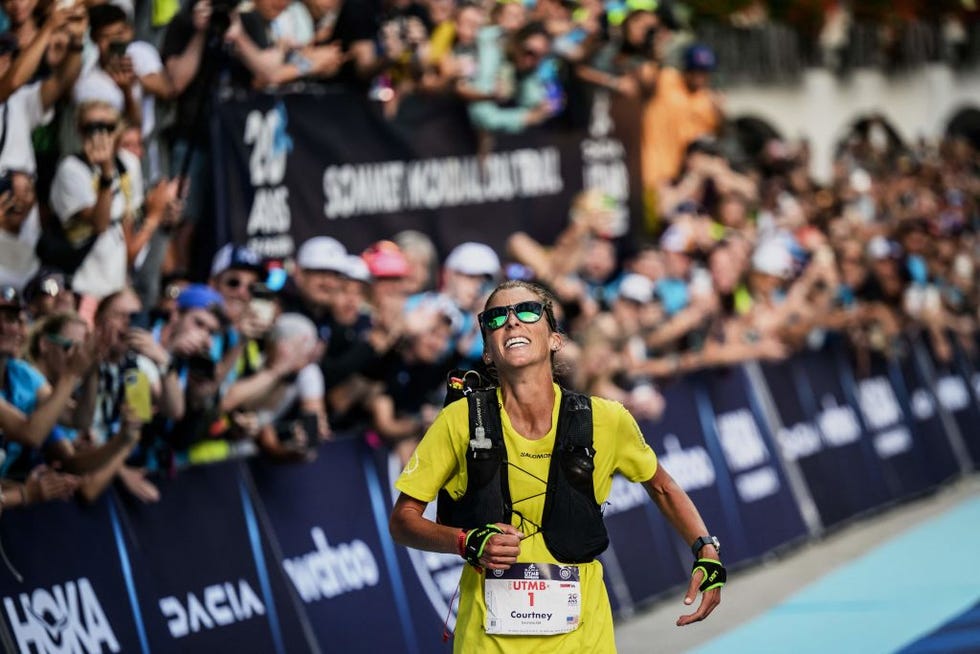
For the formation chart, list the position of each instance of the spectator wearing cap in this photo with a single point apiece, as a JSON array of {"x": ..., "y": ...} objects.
[
  {"x": 468, "y": 272},
  {"x": 389, "y": 271},
  {"x": 682, "y": 109},
  {"x": 354, "y": 358},
  {"x": 48, "y": 293},
  {"x": 235, "y": 270},
  {"x": 95, "y": 196},
  {"x": 321, "y": 264}
]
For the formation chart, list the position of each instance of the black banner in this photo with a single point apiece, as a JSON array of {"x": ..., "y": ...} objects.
[
  {"x": 201, "y": 569},
  {"x": 295, "y": 166},
  {"x": 77, "y": 594}
]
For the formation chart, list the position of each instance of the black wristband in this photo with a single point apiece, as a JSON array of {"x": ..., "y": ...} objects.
[
  {"x": 105, "y": 183},
  {"x": 476, "y": 541},
  {"x": 76, "y": 47},
  {"x": 715, "y": 574}
]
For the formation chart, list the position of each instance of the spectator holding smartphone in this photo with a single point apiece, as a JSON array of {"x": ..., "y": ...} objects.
[{"x": 113, "y": 79}]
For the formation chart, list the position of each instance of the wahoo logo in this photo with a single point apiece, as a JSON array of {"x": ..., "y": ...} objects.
[
  {"x": 222, "y": 605},
  {"x": 67, "y": 618},
  {"x": 329, "y": 571}
]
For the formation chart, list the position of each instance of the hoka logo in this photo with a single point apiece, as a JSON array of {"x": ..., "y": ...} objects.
[{"x": 66, "y": 619}]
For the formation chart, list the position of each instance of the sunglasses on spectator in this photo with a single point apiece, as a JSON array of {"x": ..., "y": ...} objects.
[
  {"x": 96, "y": 126},
  {"x": 62, "y": 342},
  {"x": 526, "y": 312},
  {"x": 236, "y": 283},
  {"x": 537, "y": 54}
]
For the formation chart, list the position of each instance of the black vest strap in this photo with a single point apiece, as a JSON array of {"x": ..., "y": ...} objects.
[{"x": 487, "y": 496}]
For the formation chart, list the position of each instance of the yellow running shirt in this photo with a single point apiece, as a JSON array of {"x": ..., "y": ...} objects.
[{"x": 440, "y": 462}]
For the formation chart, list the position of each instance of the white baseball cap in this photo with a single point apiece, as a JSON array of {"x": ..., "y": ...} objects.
[
  {"x": 473, "y": 259},
  {"x": 637, "y": 288},
  {"x": 322, "y": 253},
  {"x": 357, "y": 269},
  {"x": 772, "y": 257}
]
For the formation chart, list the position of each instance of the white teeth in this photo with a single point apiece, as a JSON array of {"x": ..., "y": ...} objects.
[{"x": 517, "y": 340}]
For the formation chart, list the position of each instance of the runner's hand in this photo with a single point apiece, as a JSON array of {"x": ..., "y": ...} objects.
[
  {"x": 709, "y": 600},
  {"x": 501, "y": 550}
]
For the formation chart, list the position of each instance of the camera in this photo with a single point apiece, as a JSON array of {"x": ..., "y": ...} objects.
[{"x": 201, "y": 367}]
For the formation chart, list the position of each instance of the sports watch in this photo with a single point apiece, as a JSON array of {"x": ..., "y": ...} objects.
[{"x": 702, "y": 541}]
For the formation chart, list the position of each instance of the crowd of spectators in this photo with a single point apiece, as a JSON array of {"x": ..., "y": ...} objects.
[{"x": 116, "y": 364}]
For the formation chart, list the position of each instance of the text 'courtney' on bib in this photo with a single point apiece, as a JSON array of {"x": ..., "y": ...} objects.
[{"x": 533, "y": 599}]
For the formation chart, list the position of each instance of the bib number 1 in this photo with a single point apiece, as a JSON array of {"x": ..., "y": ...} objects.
[{"x": 533, "y": 599}]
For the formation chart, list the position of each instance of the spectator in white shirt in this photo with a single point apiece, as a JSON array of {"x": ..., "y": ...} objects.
[
  {"x": 26, "y": 106},
  {"x": 93, "y": 194}
]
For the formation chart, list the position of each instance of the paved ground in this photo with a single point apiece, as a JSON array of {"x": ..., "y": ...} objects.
[{"x": 778, "y": 597}]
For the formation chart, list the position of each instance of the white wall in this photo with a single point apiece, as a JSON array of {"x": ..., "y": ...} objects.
[{"x": 823, "y": 106}]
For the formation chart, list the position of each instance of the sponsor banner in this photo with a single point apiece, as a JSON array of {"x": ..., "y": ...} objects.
[
  {"x": 74, "y": 596},
  {"x": 679, "y": 440},
  {"x": 301, "y": 165},
  {"x": 430, "y": 579},
  {"x": 643, "y": 559},
  {"x": 770, "y": 516},
  {"x": 923, "y": 411},
  {"x": 902, "y": 456},
  {"x": 955, "y": 391},
  {"x": 844, "y": 474},
  {"x": 331, "y": 551},
  {"x": 200, "y": 567}
]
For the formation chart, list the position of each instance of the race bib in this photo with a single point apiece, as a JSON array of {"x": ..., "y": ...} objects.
[{"x": 533, "y": 599}]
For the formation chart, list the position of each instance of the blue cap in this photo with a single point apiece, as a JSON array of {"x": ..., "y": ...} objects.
[
  {"x": 699, "y": 58},
  {"x": 200, "y": 296},
  {"x": 237, "y": 257}
]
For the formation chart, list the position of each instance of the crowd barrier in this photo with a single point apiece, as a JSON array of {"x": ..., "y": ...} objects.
[{"x": 250, "y": 556}]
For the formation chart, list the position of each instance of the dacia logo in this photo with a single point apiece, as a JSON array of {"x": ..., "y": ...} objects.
[
  {"x": 67, "y": 618},
  {"x": 222, "y": 605}
]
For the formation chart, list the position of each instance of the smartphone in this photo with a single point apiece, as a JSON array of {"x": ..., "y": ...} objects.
[
  {"x": 139, "y": 320},
  {"x": 264, "y": 310},
  {"x": 138, "y": 396},
  {"x": 118, "y": 48},
  {"x": 201, "y": 367}
]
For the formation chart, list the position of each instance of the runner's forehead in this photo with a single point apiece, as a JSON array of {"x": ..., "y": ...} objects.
[{"x": 512, "y": 296}]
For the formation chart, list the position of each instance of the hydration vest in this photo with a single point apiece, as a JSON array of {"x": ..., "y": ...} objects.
[{"x": 571, "y": 523}]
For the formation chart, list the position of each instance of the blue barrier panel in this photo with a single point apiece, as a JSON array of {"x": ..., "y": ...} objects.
[
  {"x": 322, "y": 518},
  {"x": 643, "y": 558},
  {"x": 430, "y": 580},
  {"x": 769, "y": 513},
  {"x": 921, "y": 406},
  {"x": 900, "y": 454},
  {"x": 955, "y": 394},
  {"x": 201, "y": 570},
  {"x": 697, "y": 466},
  {"x": 842, "y": 473},
  {"x": 76, "y": 594}
]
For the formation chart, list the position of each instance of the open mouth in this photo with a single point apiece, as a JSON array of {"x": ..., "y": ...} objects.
[{"x": 516, "y": 341}]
